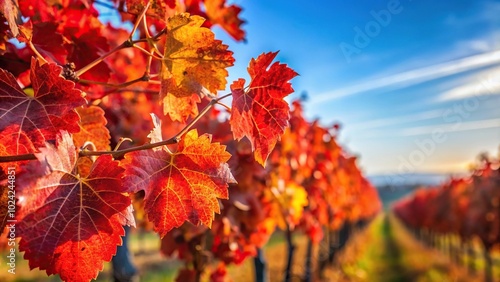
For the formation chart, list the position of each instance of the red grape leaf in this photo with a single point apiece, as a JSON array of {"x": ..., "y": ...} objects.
[
  {"x": 48, "y": 41},
  {"x": 85, "y": 49},
  {"x": 193, "y": 58},
  {"x": 183, "y": 186},
  {"x": 73, "y": 224},
  {"x": 31, "y": 121},
  {"x": 260, "y": 112},
  {"x": 217, "y": 12},
  {"x": 226, "y": 16},
  {"x": 40, "y": 11},
  {"x": 10, "y": 11},
  {"x": 45, "y": 37},
  {"x": 14, "y": 141}
]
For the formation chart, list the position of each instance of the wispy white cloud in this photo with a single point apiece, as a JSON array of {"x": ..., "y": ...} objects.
[
  {"x": 483, "y": 83},
  {"x": 448, "y": 128},
  {"x": 429, "y": 129},
  {"x": 476, "y": 45},
  {"x": 413, "y": 77},
  {"x": 396, "y": 120}
]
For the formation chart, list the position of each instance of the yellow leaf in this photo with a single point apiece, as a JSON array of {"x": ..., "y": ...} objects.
[
  {"x": 297, "y": 200},
  {"x": 193, "y": 58},
  {"x": 290, "y": 204}
]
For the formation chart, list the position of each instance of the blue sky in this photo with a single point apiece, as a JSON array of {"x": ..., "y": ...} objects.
[{"x": 419, "y": 91}]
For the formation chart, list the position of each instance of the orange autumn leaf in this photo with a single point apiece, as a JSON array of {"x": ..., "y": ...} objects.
[
  {"x": 182, "y": 186},
  {"x": 92, "y": 127},
  {"x": 180, "y": 108},
  {"x": 218, "y": 12},
  {"x": 259, "y": 111},
  {"x": 194, "y": 60},
  {"x": 227, "y": 16}
]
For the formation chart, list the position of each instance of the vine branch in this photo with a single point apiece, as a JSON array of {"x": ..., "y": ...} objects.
[
  {"x": 33, "y": 48},
  {"x": 143, "y": 78},
  {"x": 128, "y": 43},
  {"x": 100, "y": 59}
]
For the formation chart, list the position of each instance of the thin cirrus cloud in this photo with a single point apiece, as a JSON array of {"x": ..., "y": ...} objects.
[
  {"x": 384, "y": 122},
  {"x": 413, "y": 77},
  {"x": 456, "y": 127},
  {"x": 483, "y": 83},
  {"x": 429, "y": 129}
]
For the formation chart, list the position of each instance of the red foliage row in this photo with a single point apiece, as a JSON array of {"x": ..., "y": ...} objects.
[
  {"x": 468, "y": 207},
  {"x": 310, "y": 183}
]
